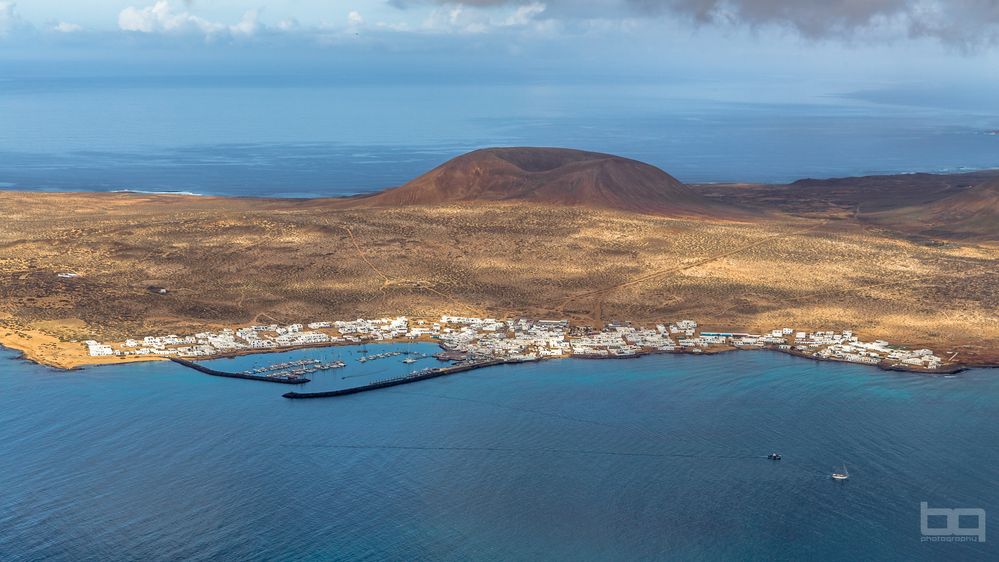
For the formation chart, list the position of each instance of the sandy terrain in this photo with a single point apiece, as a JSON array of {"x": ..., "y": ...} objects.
[{"x": 227, "y": 262}]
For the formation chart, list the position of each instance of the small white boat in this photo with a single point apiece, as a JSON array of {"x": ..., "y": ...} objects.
[{"x": 841, "y": 475}]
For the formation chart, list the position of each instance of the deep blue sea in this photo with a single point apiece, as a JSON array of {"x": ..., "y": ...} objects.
[
  {"x": 655, "y": 458},
  {"x": 265, "y": 136}
]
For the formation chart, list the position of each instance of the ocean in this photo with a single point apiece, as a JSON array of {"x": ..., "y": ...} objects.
[
  {"x": 662, "y": 457},
  {"x": 260, "y": 136}
]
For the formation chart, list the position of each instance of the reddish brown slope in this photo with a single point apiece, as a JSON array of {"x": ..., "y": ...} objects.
[
  {"x": 972, "y": 213},
  {"x": 553, "y": 176}
]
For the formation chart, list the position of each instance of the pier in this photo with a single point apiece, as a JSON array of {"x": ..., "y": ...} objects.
[
  {"x": 297, "y": 368},
  {"x": 385, "y": 383},
  {"x": 366, "y": 358},
  {"x": 282, "y": 379}
]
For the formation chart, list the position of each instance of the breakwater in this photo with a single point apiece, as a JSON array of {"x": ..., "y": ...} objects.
[
  {"x": 216, "y": 373},
  {"x": 385, "y": 383}
]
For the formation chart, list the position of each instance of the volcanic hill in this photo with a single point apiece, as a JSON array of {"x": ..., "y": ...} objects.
[{"x": 552, "y": 176}]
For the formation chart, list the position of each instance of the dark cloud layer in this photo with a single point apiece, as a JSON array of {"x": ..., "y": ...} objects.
[
  {"x": 961, "y": 21},
  {"x": 965, "y": 22}
]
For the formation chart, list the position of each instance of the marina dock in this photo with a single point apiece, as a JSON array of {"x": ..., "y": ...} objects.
[{"x": 298, "y": 368}]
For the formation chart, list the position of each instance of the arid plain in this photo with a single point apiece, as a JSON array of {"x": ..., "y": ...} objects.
[{"x": 233, "y": 261}]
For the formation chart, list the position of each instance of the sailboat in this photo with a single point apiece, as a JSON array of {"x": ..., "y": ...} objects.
[{"x": 841, "y": 475}]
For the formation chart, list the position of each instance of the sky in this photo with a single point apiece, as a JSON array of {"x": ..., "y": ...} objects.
[
  {"x": 923, "y": 49},
  {"x": 956, "y": 21}
]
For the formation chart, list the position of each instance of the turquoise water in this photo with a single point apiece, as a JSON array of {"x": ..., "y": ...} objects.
[{"x": 653, "y": 458}]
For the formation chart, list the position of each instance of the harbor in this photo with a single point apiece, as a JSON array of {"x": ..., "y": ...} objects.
[
  {"x": 465, "y": 343},
  {"x": 415, "y": 376}
]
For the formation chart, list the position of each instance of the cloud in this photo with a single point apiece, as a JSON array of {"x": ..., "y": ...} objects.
[
  {"x": 247, "y": 26},
  {"x": 525, "y": 14},
  {"x": 10, "y": 20},
  {"x": 468, "y": 17},
  {"x": 67, "y": 27},
  {"x": 161, "y": 17},
  {"x": 289, "y": 24},
  {"x": 965, "y": 22}
]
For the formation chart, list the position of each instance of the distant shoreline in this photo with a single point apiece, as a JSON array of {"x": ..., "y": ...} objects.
[{"x": 7, "y": 186}]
